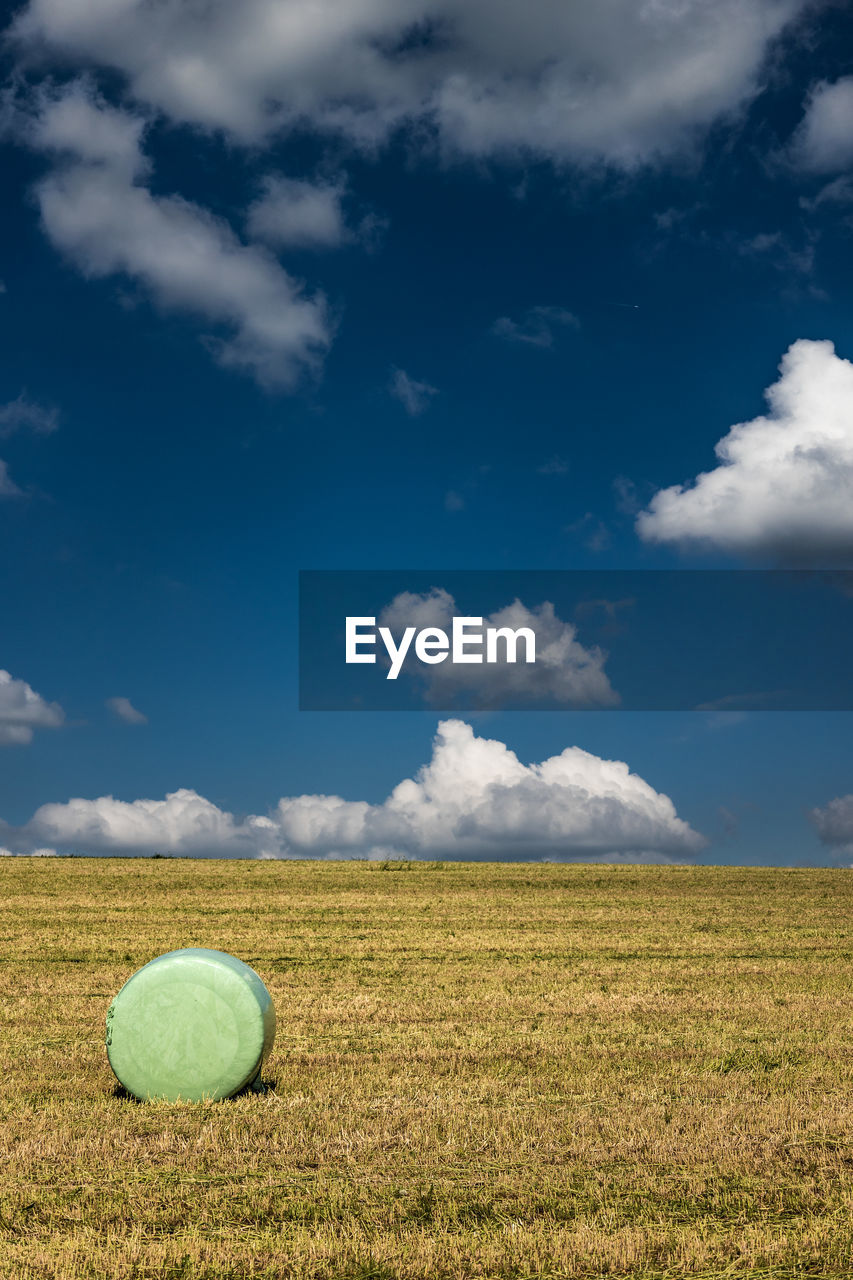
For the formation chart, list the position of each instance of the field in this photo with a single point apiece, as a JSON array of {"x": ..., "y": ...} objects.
[{"x": 500, "y": 1070}]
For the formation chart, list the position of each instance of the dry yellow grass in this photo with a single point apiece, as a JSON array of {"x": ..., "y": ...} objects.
[{"x": 493, "y": 1071}]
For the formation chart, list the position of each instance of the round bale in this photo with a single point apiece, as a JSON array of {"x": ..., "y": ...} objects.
[{"x": 191, "y": 1024}]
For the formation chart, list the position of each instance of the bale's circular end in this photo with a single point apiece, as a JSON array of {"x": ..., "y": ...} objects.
[{"x": 191, "y": 1024}]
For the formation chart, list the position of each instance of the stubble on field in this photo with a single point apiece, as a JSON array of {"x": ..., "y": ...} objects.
[{"x": 495, "y": 1071}]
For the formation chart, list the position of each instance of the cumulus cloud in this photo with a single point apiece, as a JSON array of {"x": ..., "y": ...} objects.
[
  {"x": 565, "y": 671},
  {"x": 474, "y": 799},
  {"x": 834, "y": 824},
  {"x": 22, "y": 710},
  {"x": 184, "y": 823},
  {"x": 783, "y": 489},
  {"x": 823, "y": 142},
  {"x": 22, "y": 412},
  {"x": 126, "y": 711},
  {"x": 536, "y": 327},
  {"x": 414, "y": 396},
  {"x": 97, "y": 210},
  {"x": 619, "y": 81}
]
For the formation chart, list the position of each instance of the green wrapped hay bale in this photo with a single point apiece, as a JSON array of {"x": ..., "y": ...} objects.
[{"x": 191, "y": 1024}]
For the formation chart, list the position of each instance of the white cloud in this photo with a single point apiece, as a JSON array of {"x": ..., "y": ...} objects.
[
  {"x": 8, "y": 488},
  {"x": 536, "y": 327},
  {"x": 565, "y": 671},
  {"x": 96, "y": 210},
  {"x": 28, "y": 853},
  {"x": 823, "y": 143},
  {"x": 453, "y": 501},
  {"x": 783, "y": 489},
  {"x": 24, "y": 412},
  {"x": 834, "y": 824},
  {"x": 183, "y": 823},
  {"x": 623, "y": 81},
  {"x": 126, "y": 711},
  {"x": 22, "y": 711},
  {"x": 295, "y": 213},
  {"x": 413, "y": 396},
  {"x": 474, "y": 799}
]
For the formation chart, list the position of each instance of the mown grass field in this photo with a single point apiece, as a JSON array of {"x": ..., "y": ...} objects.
[{"x": 500, "y": 1070}]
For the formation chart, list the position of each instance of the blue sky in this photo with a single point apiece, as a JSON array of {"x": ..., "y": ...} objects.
[{"x": 461, "y": 300}]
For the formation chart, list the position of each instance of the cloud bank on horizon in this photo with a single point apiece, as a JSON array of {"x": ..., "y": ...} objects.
[{"x": 474, "y": 799}]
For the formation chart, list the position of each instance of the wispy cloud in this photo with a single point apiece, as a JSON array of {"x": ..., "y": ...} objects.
[
  {"x": 19, "y": 414},
  {"x": 743, "y": 701},
  {"x": 414, "y": 396},
  {"x": 555, "y": 466},
  {"x": 124, "y": 709},
  {"x": 593, "y": 532},
  {"x": 8, "y": 488},
  {"x": 837, "y": 192},
  {"x": 775, "y": 248},
  {"x": 626, "y": 496},
  {"x": 537, "y": 327},
  {"x": 24, "y": 413}
]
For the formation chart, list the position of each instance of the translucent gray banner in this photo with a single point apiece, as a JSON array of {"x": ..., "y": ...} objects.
[{"x": 395, "y": 640}]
